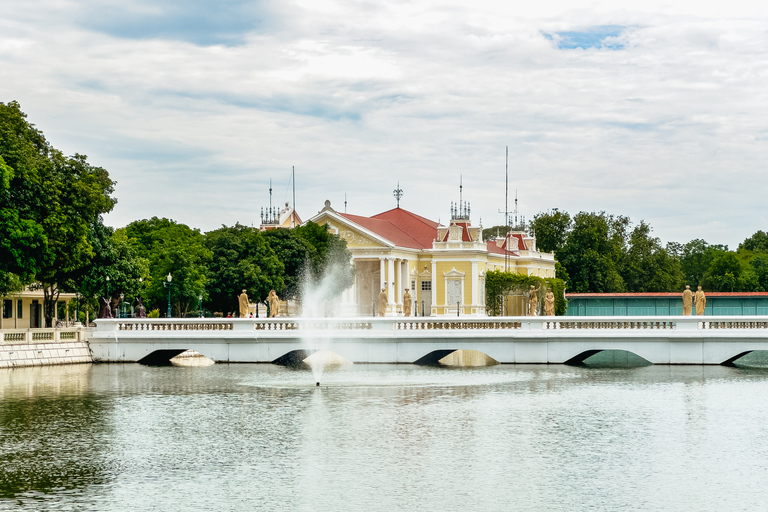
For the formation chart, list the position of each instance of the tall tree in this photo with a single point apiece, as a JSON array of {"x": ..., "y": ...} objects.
[
  {"x": 295, "y": 253},
  {"x": 47, "y": 208},
  {"x": 647, "y": 266},
  {"x": 241, "y": 260},
  {"x": 175, "y": 249},
  {"x": 551, "y": 230}
]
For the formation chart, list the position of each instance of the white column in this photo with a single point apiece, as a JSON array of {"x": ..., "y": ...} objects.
[
  {"x": 382, "y": 275},
  {"x": 399, "y": 283},
  {"x": 390, "y": 280},
  {"x": 475, "y": 285},
  {"x": 434, "y": 287}
]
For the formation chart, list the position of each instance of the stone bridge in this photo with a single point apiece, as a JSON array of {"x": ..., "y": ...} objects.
[{"x": 659, "y": 340}]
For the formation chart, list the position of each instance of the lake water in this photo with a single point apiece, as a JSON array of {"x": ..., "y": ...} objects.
[{"x": 125, "y": 437}]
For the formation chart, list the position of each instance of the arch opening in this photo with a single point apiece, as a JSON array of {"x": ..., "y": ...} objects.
[
  {"x": 303, "y": 358},
  {"x": 749, "y": 359},
  {"x": 161, "y": 357},
  {"x": 608, "y": 358},
  {"x": 456, "y": 358}
]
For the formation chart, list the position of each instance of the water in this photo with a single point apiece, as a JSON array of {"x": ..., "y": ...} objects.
[{"x": 383, "y": 438}]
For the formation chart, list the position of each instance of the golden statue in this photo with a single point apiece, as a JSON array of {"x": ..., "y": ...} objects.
[
  {"x": 407, "y": 303},
  {"x": 243, "y": 299},
  {"x": 687, "y": 300},
  {"x": 701, "y": 301},
  {"x": 549, "y": 304},
  {"x": 274, "y": 304},
  {"x": 533, "y": 300},
  {"x": 382, "y": 309}
]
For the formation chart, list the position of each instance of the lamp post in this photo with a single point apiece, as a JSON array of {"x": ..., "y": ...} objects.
[
  {"x": 122, "y": 305},
  {"x": 168, "y": 285},
  {"x": 200, "y": 298},
  {"x": 109, "y": 300}
]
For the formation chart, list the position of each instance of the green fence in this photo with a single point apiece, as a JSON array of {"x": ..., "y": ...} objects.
[{"x": 661, "y": 306}]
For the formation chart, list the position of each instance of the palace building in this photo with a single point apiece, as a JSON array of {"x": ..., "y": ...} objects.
[{"x": 444, "y": 267}]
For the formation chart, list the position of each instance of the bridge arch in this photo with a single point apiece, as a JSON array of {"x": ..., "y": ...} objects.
[
  {"x": 608, "y": 358},
  {"x": 161, "y": 357},
  {"x": 748, "y": 358},
  {"x": 456, "y": 357}
]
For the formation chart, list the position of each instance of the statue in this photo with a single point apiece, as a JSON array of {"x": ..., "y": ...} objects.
[
  {"x": 533, "y": 300},
  {"x": 382, "y": 309},
  {"x": 407, "y": 303},
  {"x": 687, "y": 301},
  {"x": 701, "y": 301},
  {"x": 243, "y": 304},
  {"x": 549, "y": 304},
  {"x": 140, "y": 311},
  {"x": 274, "y": 304},
  {"x": 106, "y": 308}
]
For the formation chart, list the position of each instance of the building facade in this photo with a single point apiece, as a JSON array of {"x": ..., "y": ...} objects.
[
  {"x": 443, "y": 267},
  {"x": 24, "y": 310}
]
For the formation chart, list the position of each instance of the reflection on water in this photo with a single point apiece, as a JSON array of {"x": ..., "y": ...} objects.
[{"x": 383, "y": 437}]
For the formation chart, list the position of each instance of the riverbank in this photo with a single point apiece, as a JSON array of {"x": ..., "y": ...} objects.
[{"x": 44, "y": 347}]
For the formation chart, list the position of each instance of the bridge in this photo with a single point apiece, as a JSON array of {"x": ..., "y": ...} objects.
[{"x": 659, "y": 340}]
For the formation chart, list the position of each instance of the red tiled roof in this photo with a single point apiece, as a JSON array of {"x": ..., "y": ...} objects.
[
  {"x": 401, "y": 227},
  {"x": 661, "y": 295},
  {"x": 495, "y": 249}
]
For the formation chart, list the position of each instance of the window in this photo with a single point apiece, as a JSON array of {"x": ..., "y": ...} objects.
[
  {"x": 413, "y": 286},
  {"x": 19, "y": 309},
  {"x": 454, "y": 292},
  {"x": 426, "y": 286},
  {"x": 7, "y": 308}
]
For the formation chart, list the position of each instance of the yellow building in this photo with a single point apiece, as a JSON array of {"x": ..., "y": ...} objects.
[
  {"x": 24, "y": 309},
  {"x": 444, "y": 267}
]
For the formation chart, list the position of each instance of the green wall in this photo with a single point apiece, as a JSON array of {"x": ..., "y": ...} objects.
[{"x": 661, "y": 306}]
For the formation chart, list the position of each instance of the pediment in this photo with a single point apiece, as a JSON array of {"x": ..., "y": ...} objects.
[{"x": 355, "y": 236}]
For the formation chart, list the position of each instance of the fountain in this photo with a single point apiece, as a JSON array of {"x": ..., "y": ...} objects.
[{"x": 320, "y": 300}]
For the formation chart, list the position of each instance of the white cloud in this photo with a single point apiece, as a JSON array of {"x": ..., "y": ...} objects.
[{"x": 671, "y": 129}]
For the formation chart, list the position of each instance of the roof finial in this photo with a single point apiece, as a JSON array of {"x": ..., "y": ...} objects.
[{"x": 398, "y": 193}]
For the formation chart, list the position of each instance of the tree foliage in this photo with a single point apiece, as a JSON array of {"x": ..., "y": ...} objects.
[
  {"x": 241, "y": 259},
  {"x": 48, "y": 203},
  {"x": 498, "y": 284},
  {"x": 175, "y": 249}
]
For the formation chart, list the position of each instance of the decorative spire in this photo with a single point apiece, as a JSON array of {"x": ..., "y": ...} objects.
[{"x": 398, "y": 193}]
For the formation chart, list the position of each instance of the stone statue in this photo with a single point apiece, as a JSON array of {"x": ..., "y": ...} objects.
[
  {"x": 533, "y": 300},
  {"x": 701, "y": 301},
  {"x": 243, "y": 304},
  {"x": 140, "y": 311},
  {"x": 106, "y": 308},
  {"x": 407, "y": 303},
  {"x": 687, "y": 300},
  {"x": 274, "y": 304},
  {"x": 549, "y": 304},
  {"x": 382, "y": 309}
]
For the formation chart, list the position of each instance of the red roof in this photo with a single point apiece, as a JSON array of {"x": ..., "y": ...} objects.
[
  {"x": 401, "y": 227},
  {"x": 663, "y": 294}
]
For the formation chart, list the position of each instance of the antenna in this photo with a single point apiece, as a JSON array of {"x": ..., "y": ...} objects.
[
  {"x": 270, "y": 193},
  {"x": 293, "y": 181},
  {"x": 398, "y": 193},
  {"x": 345, "y": 202}
]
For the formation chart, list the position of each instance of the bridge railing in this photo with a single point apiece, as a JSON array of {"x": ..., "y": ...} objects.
[
  {"x": 637, "y": 323},
  {"x": 52, "y": 335}
]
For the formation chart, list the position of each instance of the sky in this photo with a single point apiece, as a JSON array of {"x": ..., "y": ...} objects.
[{"x": 653, "y": 110}]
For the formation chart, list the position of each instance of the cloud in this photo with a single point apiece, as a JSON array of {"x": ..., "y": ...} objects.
[
  {"x": 654, "y": 113},
  {"x": 200, "y": 22}
]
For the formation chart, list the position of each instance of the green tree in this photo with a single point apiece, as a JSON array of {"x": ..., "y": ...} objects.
[
  {"x": 756, "y": 243},
  {"x": 697, "y": 256},
  {"x": 726, "y": 273},
  {"x": 647, "y": 266},
  {"x": 294, "y": 252},
  {"x": 593, "y": 251},
  {"x": 47, "y": 209},
  {"x": 241, "y": 259},
  {"x": 175, "y": 249},
  {"x": 331, "y": 260},
  {"x": 551, "y": 230},
  {"x": 115, "y": 268}
]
